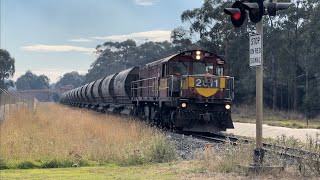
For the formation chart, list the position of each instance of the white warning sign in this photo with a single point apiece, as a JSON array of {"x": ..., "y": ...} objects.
[{"x": 255, "y": 50}]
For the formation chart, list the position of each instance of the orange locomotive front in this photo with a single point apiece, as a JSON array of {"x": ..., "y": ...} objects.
[{"x": 189, "y": 90}]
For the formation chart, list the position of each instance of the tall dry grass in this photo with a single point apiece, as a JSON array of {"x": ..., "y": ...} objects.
[
  {"x": 56, "y": 132},
  {"x": 228, "y": 159}
]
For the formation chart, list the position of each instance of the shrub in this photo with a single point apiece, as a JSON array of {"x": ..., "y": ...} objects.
[
  {"x": 3, "y": 164},
  {"x": 63, "y": 163},
  {"x": 162, "y": 150},
  {"x": 136, "y": 158},
  {"x": 26, "y": 165}
]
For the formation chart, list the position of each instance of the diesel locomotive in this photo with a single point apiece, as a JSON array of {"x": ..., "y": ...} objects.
[{"x": 189, "y": 90}]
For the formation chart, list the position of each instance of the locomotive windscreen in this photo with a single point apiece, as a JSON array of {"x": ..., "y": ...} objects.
[
  {"x": 179, "y": 68},
  {"x": 202, "y": 68}
]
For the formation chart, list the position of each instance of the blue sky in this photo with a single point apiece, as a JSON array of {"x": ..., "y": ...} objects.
[{"x": 53, "y": 37}]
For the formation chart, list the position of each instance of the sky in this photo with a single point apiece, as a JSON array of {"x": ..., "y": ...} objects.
[{"x": 53, "y": 37}]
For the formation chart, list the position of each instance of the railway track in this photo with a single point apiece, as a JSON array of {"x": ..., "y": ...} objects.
[{"x": 287, "y": 152}]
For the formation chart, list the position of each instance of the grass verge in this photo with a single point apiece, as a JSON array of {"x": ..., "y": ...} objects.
[
  {"x": 58, "y": 136},
  {"x": 103, "y": 172}
]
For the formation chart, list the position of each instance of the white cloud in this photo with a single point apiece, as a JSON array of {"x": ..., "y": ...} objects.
[
  {"x": 56, "y": 48},
  {"x": 156, "y": 36},
  {"x": 144, "y": 2},
  {"x": 80, "y": 40},
  {"x": 53, "y": 74}
]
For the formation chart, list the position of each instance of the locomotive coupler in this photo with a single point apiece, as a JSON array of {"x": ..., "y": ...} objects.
[{"x": 207, "y": 117}]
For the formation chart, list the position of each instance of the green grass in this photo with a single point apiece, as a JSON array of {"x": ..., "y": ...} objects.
[{"x": 111, "y": 171}]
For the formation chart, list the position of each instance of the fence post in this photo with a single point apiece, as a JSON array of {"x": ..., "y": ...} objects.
[
  {"x": 10, "y": 101},
  {"x": 1, "y": 107}
]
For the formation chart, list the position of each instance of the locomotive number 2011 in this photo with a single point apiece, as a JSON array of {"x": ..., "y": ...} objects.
[{"x": 199, "y": 82}]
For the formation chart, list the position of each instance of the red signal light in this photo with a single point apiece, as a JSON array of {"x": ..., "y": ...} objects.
[
  {"x": 237, "y": 13},
  {"x": 236, "y": 16}
]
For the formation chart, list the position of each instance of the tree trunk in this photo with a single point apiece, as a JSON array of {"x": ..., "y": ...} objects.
[
  {"x": 288, "y": 96},
  {"x": 274, "y": 84},
  {"x": 307, "y": 74},
  {"x": 295, "y": 84},
  {"x": 281, "y": 99},
  {"x": 1, "y": 81},
  {"x": 295, "y": 93}
]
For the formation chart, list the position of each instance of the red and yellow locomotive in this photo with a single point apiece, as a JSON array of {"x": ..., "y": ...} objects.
[{"x": 188, "y": 90}]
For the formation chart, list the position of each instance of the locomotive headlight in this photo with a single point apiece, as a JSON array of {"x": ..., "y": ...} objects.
[
  {"x": 198, "y": 57},
  {"x": 198, "y": 53},
  {"x": 227, "y": 106},
  {"x": 184, "y": 105}
]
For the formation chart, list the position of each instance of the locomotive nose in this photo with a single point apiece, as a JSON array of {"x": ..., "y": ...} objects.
[{"x": 207, "y": 86}]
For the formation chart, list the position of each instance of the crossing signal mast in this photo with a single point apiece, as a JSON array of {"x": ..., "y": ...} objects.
[{"x": 256, "y": 9}]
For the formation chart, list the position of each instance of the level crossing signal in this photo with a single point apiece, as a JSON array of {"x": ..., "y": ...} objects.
[
  {"x": 237, "y": 14},
  {"x": 256, "y": 9}
]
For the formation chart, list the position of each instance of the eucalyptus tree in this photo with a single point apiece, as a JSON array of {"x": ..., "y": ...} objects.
[
  {"x": 71, "y": 78},
  {"x": 7, "y": 67},
  {"x": 29, "y": 81}
]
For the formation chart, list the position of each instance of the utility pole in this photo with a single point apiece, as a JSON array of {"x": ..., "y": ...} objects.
[
  {"x": 256, "y": 10},
  {"x": 258, "y": 152}
]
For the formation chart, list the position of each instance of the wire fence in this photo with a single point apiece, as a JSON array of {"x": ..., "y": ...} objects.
[{"x": 10, "y": 102}]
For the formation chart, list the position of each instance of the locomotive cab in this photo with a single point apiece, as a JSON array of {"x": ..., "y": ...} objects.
[
  {"x": 195, "y": 73},
  {"x": 197, "y": 82}
]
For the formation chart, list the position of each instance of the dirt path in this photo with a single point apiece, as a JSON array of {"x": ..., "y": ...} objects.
[{"x": 246, "y": 129}]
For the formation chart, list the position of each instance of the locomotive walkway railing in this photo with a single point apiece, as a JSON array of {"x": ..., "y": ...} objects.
[
  {"x": 149, "y": 87},
  {"x": 145, "y": 87},
  {"x": 10, "y": 102}
]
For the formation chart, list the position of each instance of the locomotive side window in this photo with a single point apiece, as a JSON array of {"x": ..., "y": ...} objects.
[
  {"x": 202, "y": 68},
  {"x": 164, "y": 71},
  {"x": 179, "y": 68},
  {"x": 219, "y": 70}
]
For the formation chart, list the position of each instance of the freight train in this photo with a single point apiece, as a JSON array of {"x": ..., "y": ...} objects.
[{"x": 189, "y": 90}]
